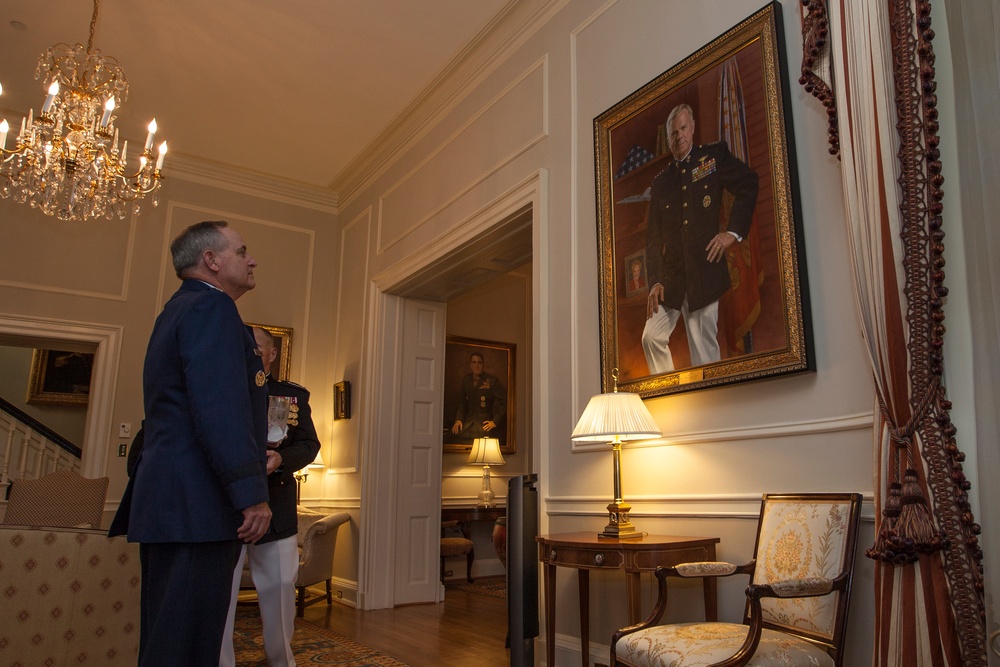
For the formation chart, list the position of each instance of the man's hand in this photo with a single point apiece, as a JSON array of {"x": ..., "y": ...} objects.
[
  {"x": 456, "y": 428},
  {"x": 654, "y": 299},
  {"x": 274, "y": 461},
  {"x": 718, "y": 246},
  {"x": 488, "y": 426},
  {"x": 256, "y": 519}
]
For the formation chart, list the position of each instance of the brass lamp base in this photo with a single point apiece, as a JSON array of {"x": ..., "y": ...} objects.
[{"x": 619, "y": 527}]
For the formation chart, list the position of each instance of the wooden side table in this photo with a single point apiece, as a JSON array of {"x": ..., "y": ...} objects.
[{"x": 586, "y": 551}]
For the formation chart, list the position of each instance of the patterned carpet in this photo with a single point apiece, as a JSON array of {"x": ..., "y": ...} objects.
[
  {"x": 311, "y": 644},
  {"x": 493, "y": 586}
]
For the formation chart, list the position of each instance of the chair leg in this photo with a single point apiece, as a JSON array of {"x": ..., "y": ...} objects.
[
  {"x": 329, "y": 591},
  {"x": 301, "y": 602},
  {"x": 442, "y": 569},
  {"x": 471, "y": 556}
]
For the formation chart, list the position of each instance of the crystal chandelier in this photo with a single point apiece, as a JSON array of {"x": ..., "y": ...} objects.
[{"x": 66, "y": 160}]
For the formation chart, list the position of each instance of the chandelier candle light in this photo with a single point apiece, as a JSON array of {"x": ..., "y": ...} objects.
[
  {"x": 486, "y": 452},
  {"x": 66, "y": 161},
  {"x": 616, "y": 418}
]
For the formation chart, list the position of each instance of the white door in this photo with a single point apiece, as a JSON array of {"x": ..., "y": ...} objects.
[{"x": 419, "y": 452}]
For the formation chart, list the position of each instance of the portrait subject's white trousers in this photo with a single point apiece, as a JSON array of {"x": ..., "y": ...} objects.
[
  {"x": 702, "y": 330},
  {"x": 274, "y": 567}
]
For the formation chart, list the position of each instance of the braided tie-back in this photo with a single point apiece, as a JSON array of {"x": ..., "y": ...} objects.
[
  {"x": 706, "y": 569},
  {"x": 902, "y": 436}
]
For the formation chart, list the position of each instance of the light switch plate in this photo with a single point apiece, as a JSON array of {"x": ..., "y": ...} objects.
[{"x": 125, "y": 430}]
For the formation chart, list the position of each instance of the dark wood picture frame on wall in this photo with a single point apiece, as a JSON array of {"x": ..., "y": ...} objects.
[
  {"x": 59, "y": 377},
  {"x": 282, "y": 341},
  {"x": 474, "y": 403},
  {"x": 737, "y": 90}
]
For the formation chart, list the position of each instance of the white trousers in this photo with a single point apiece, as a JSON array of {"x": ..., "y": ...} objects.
[
  {"x": 702, "y": 331},
  {"x": 274, "y": 567}
]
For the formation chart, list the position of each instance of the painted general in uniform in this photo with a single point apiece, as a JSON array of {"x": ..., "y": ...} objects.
[{"x": 686, "y": 243}]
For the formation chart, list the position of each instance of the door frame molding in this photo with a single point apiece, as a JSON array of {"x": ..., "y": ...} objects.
[{"x": 379, "y": 404}]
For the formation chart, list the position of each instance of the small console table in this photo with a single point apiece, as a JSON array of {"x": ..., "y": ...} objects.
[{"x": 586, "y": 551}]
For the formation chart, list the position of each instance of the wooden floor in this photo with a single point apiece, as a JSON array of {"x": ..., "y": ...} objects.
[{"x": 466, "y": 629}]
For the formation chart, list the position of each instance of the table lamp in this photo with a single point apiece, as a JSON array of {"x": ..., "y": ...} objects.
[
  {"x": 616, "y": 418},
  {"x": 486, "y": 452}
]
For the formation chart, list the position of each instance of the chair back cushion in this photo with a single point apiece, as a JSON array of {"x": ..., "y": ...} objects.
[
  {"x": 802, "y": 537},
  {"x": 61, "y": 499}
]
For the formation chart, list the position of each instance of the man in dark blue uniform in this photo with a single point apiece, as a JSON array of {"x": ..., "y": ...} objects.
[
  {"x": 274, "y": 559},
  {"x": 199, "y": 488},
  {"x": 686, "y": 242}
]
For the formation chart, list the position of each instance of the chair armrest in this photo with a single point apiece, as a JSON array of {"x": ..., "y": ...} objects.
[
  {"x": 705, "y": 569},
  {"x": 318, "y": 544},
  {"x": 684, "y": 570},
  {"x": 788, "y": 588}
]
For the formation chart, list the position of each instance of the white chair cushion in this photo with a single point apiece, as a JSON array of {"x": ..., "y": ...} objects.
[{"x": 700, "y": 644}]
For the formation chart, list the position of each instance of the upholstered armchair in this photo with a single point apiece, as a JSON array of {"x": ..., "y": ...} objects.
[
  {"x": 317, "y": 542},
  {"x": 797, "y": 600}
]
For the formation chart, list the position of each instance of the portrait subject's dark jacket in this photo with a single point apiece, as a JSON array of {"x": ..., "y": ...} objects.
[{"x": 684, "y": 214}]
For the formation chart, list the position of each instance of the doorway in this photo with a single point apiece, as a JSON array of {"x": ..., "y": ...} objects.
[{"x": 493, "y": 244}]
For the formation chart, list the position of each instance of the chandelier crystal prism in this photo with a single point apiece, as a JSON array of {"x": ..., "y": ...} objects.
[{"x": 66, "y": 161}]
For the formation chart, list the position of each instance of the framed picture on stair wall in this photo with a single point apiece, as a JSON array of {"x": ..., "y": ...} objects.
[
  {"x": 60, "y": 377},
  {"x": 702, "y": 277}
]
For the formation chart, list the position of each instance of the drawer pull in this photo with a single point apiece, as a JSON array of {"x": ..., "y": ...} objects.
[
  {"x": 599, "y": 559},
  {"x": 552, "y": 555}
]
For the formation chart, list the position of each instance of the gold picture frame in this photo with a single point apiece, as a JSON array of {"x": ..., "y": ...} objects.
[
  {"x": 499, "y": 362},
  {"x": 737, "y": 91},
  {"x": 60, "y": 377},
  {"x": 282, "y": 341}
]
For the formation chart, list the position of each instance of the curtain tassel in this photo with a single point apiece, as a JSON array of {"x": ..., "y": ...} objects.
[
  {"x": 915, "y": 525},
  {"x": 888, "y": 547}
]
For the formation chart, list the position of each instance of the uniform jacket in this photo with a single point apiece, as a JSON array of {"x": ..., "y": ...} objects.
[
  {"x": 684, "y": 214},
  {"x": 297, "y": 451},
  {"x": 205, "y": 432}
]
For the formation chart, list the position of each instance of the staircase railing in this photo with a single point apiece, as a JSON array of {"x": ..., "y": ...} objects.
[{"x": 31, "y": 449}]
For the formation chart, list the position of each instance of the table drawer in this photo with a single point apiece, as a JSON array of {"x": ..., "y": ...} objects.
[
  {"x": 584, "y": 558},
  {"x": 649, "y": 560}
]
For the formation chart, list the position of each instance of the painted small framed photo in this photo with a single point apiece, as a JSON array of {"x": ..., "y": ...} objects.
[{"x": 60, "y": 377}]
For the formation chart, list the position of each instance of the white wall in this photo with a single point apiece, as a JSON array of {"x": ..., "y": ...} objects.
[{"x": 530, "y": 112}]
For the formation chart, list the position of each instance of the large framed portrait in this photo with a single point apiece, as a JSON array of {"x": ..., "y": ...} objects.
[
  {"x": 60, "y": 377},
  {"x": 479, "y": 396},
  {"x": 282, "y": 341},
  {"x": 702, "y": 272}
]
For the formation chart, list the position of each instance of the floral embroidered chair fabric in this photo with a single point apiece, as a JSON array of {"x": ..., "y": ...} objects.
[{"x": 796, "y": 610}]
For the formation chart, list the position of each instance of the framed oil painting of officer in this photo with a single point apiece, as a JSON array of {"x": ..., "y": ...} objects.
[{"x": 701, "y": 268}]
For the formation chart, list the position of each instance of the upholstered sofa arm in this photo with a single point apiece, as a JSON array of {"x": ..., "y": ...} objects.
[
  {"x": 318, "y": 544},
  {"x": 70, "y": 595}
]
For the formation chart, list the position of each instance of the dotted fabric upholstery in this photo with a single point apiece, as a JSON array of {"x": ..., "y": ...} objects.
[
  {"x": 70, "y": 597},
  {"x": 60, "y": 499}
]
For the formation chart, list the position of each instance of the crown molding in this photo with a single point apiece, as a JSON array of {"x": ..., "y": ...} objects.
[{"x": 184, "y": 167}]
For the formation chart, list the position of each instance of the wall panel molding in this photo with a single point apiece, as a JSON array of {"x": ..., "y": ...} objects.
[{"x": 791, "y": 429}]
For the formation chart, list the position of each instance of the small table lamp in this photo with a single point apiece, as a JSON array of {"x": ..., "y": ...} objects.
[
  {"x": 616, "y": 418},
  {"x": 303, "y": 475},
  {"x": 486, "y": 451}
]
